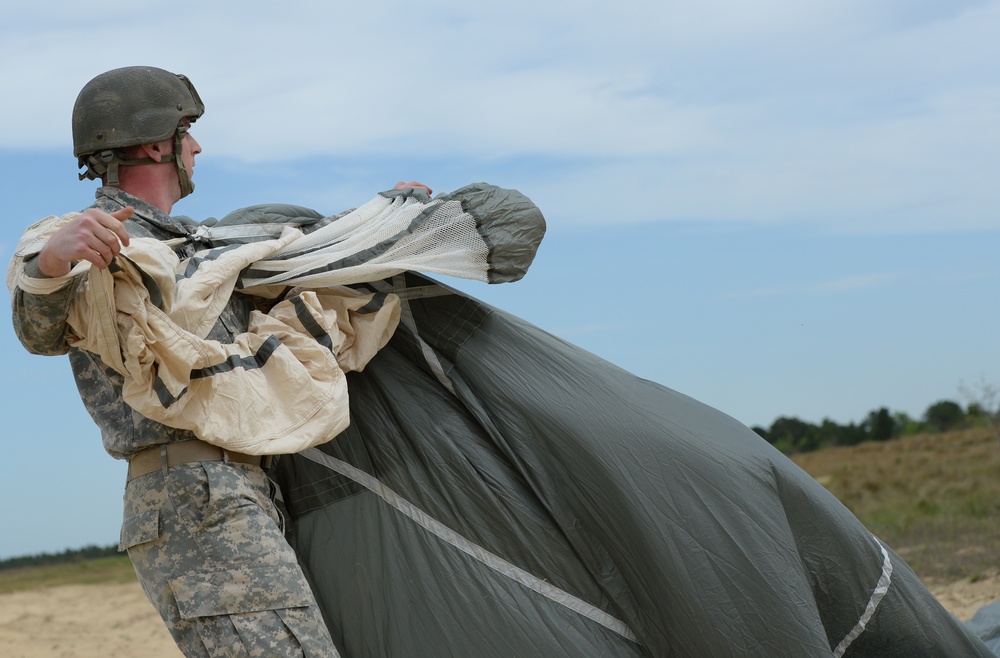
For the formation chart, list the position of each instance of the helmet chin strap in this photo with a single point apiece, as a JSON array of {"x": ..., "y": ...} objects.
[
  {"x": 183, "y": 175},
  {"x": 108, "y": 162}
]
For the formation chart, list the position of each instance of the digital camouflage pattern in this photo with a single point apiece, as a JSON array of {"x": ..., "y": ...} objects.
[
  {"x": 205, "y": 540},
  {"x": 204, "y": 537}
]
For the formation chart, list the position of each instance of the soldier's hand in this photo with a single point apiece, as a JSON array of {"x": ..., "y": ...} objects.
[
  {"x": 93, "y": 235},
  {"x": 400, "y": 185}
]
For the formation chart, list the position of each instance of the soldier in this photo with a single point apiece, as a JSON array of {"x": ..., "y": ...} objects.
[{"x": 199, "y": 523}]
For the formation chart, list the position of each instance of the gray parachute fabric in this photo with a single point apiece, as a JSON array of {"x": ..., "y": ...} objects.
[
  {"x": 503, "y": 493},
  {"x": 500, "y": 492},
  {"x": 986, "y": 625}
]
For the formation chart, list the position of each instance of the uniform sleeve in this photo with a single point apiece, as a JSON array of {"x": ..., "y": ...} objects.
[{"x": 40, "y": 320}]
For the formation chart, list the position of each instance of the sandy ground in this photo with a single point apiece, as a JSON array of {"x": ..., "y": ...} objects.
[
  {"x": 963, "y": 598},
  {"x": 82, "y": 621},
  {"x": 102, "y": 621}
]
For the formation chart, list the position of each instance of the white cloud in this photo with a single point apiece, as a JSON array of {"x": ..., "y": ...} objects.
[{"x": 871, "y": 115}]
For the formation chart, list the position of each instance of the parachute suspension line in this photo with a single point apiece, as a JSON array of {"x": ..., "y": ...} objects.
[
  {"x": 880, "y": 591},
  {"x": 406, "y": 317},
  {"x": 463, "y": 544}
]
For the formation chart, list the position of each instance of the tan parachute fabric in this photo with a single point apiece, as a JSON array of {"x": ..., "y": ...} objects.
[{"x": 277, "y": 388}]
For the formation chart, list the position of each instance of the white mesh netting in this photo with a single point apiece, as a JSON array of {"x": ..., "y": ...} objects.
[{"x": 381, "y": 238}]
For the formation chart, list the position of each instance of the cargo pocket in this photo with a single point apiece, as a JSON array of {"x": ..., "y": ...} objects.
[
  {"x": 241, "y": 590},
  {"x": 139, "y": 529},
  {"x": 268, "y": 610}
]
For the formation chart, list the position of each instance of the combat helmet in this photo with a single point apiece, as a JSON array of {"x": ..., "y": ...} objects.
[{"x": 127, "y": 107}]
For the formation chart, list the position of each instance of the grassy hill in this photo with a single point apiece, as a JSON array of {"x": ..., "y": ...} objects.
[{"x": 934, "y": 498}]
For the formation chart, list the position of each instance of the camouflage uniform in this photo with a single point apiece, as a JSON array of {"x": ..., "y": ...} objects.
[{"x": 205, "y": 538}]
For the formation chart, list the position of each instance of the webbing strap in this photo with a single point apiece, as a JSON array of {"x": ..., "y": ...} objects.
[
  {"x": 463, "y": 544},
  {"x": 880, "y": 591}
]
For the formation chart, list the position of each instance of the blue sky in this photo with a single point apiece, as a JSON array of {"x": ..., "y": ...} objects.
[{"x": 778, "y": 208}]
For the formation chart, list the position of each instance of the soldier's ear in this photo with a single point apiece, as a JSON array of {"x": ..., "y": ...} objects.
[{"x": 155, "y": 151}]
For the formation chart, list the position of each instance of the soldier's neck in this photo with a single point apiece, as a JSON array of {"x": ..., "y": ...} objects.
[{"x": 148, "y": 182}]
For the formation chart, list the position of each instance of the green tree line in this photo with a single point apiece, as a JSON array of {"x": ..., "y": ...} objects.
[
  {"x": 792, "y": 435},
  {"x": 69, "y": 555}
]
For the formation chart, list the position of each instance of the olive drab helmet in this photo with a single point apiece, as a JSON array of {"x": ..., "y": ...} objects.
[{"x": 128, "y": 107}]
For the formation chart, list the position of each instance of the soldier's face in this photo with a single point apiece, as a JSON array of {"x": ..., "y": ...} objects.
[{"x": 191, "y": 148}]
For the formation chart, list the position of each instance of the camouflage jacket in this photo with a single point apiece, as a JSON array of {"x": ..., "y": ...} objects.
[{"x": 39, "y": 321}]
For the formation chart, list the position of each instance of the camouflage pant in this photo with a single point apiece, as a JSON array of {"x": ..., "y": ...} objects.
[{"x": 206, "y": 544}]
